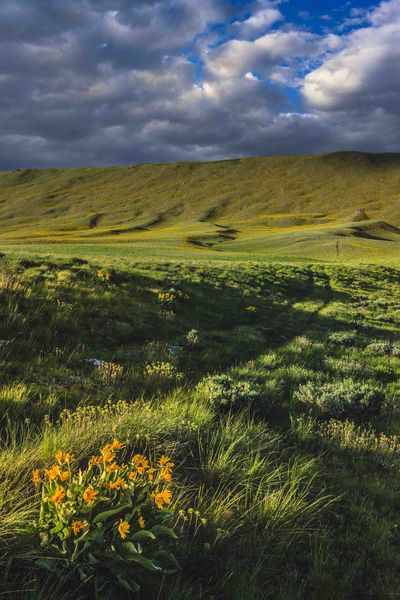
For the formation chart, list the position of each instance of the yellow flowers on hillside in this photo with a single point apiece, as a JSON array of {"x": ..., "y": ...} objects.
[
  {"x": 140, "y": 463},
  {"x": 36, "y": 477},
  {"x": 58, "y": 496},
  {"x": 53, "y": 472},
  {"x": 107, "y": 454},
  {"x": 103, "y": 275},
  {"x": 77, "y": 526},
  {"x": 103, "y": 509},
  {"x": 63, "y": 457},
  {"x": 117, "y": 445},
  {"x": 123, "y": 528},
  {"x": 90, "y": 494},
  {"x": 162, "y": 498},
  {"x": 166, "y": 297},
  {"x": 171, "y": 296},
  {"x": 118, "y": 484}
]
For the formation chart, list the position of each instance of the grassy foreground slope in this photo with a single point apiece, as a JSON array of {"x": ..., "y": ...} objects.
[
  {"x": 282, "y": 207},
  {"x": 275, "y": 389}
]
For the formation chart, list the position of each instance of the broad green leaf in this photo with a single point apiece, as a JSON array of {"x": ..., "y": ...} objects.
[
  {"x": 106, "y": 514},
  {"x": 163, "y": 556},
  {"x": 143, "y": 534},
  {"x": 130, "y": 585},
  {"x": 127, "y": 549},
  {"x": 145, "y": 562},
  {"x": 86, "y": 541},
  {"x": 57, "y": 528},
  {"x": 163, "y": 530}
]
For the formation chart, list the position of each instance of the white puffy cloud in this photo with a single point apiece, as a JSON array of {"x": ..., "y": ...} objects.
[
  {"x": 237, "y": 57},
  {"x": 365, "y": 74},
  {"x": 265, "y": 13}
]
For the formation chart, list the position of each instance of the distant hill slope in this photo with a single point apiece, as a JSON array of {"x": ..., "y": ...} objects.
[{"x": 272, "y": 193}]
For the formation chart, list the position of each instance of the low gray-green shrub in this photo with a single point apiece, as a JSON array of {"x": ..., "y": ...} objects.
[
  {"x": 381, "y": 348},
  {"x": 226, "y": 392},
  {"x": 343, "y": 338},
  {"x": 342, "y": 399}
]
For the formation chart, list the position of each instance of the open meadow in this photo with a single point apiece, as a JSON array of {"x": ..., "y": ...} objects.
[{"x": 199, "y": 383}]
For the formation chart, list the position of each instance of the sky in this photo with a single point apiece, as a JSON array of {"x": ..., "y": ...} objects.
[{"x": 106, "y": 82}]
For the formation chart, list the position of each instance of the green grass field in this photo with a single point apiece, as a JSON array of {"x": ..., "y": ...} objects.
[{"x": 238, "y": 317}]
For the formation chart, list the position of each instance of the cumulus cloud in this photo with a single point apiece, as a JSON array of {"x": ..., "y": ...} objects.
[
  {"x": 357, "y": 90},
  {"x": 111, "y": 81},
  {"x": 264, "y": 14},
  {"x": 237, "y": 57},
  {"x": 364, "y": 74}
]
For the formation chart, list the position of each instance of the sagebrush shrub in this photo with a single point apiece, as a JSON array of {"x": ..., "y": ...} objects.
[
  {"x": 108, "y": 522},
  {"x": 381, "y": 348},
  {"x": 396, "y": 350},
  {"x": 343, "y": 338},
  {"x": 342, "y": 399},
  {"x": 225, "y": 391},
  {"x": 384, "y": 348}
]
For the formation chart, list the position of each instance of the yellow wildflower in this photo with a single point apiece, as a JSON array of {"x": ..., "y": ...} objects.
[
  {"x": 123, "y": 528},
  {"x": 118, "y": 484},
  {"x": 58, "y": 496},
  {"x": 162, "y": 498},
  {"x": 113, "y": 467},
  {"x": 150, "y": 473},
  {"x": 36, "y": 477},
  {"x": 63, "y": 457},
  {"x": 165, "y": 461},
  {"x": 53, "y": 472},
  {"x": 77, "y": 526},
  {"x": 141, "y": 463},
  {"x": 64, "y": 475},
  {"x": 141, "y": 522},
  {"x": 107, "y": 453},
  {"x": 117, "y": 445},
  {"x": 90, "y": 494},
  {"x": 132, "y": 475},
  {"x": 95, "y": 460},
  {"x": 104, "y": 275},
  {"x": 166, "y": 474}
]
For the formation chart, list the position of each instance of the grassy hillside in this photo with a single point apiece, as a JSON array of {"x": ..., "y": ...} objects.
[{"x": 255, "y": 205}]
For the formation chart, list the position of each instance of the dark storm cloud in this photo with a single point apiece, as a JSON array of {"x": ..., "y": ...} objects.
[{"x": 100, "y": 82}]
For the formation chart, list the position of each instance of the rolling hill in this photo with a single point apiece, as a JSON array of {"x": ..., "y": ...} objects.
[{"x": 297, "y": 205}]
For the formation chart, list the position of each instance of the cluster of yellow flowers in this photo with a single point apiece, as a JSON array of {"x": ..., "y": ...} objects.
[
  {"x": 170, "y": 296},
  {"x": 72, "y": 492},
  {"x": 103, "y": 275},
  {"x": 167, "y": 297},
  {"x": 162, "y": 370},
  {"x": 109, "y": 371}
]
